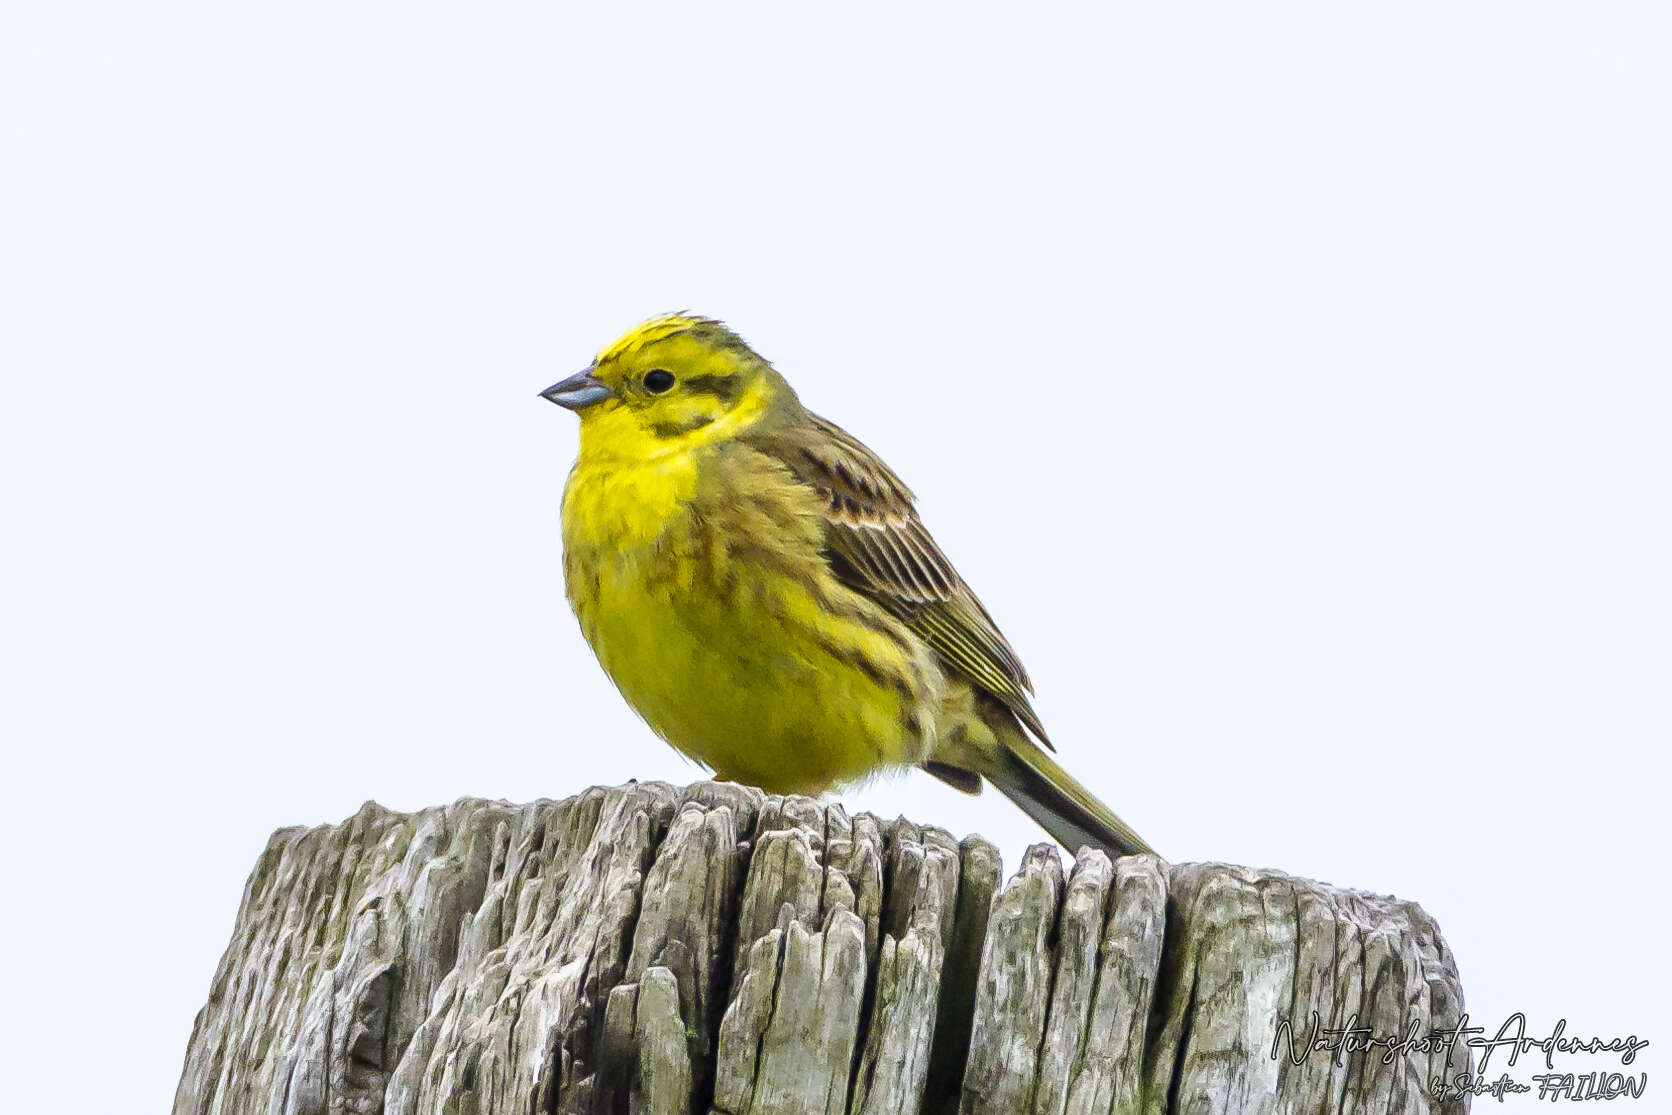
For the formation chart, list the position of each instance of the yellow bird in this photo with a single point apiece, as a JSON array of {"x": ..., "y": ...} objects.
[{"x": 759, "y": 586}]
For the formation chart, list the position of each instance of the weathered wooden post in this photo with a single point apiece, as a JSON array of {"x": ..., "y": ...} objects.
[{"x": 657, "y": 949}]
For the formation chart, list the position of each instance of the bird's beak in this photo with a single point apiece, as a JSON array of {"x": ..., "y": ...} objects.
[{"x": 578, "y": 391}]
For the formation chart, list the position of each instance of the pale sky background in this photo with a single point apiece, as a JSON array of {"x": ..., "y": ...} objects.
[{"x": 1291, "y": 381}]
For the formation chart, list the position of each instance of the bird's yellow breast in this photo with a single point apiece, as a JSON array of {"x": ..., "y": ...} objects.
[{"x": 700, "y": 582}]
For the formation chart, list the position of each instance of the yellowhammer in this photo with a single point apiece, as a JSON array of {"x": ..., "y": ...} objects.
[{"x": 759, "y": 587}]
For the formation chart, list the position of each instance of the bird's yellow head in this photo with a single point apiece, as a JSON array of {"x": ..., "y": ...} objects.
[{"x": 671, "y": 383}]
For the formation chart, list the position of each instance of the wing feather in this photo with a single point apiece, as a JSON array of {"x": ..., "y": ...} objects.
[{"x": 879, "y": 546}]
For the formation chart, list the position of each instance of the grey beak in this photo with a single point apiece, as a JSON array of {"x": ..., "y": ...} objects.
[{"x": 580, "y": 390}]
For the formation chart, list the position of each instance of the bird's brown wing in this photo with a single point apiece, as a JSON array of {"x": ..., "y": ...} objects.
[{"x": 878, "y": 546}]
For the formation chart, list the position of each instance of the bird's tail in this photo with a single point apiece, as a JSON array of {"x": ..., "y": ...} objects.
[
  {"x": 993, "y": 746},
  {"x": 1028, "y": 776}
]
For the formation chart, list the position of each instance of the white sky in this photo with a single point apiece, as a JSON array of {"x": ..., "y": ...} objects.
[{"x": 1291, "y": 383}]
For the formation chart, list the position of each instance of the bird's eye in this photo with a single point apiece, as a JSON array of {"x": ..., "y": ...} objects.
[{"x": 657, "y": 381}]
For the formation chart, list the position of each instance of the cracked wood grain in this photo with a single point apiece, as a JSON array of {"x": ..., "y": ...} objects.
[{"x": 712, "y": 950}]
